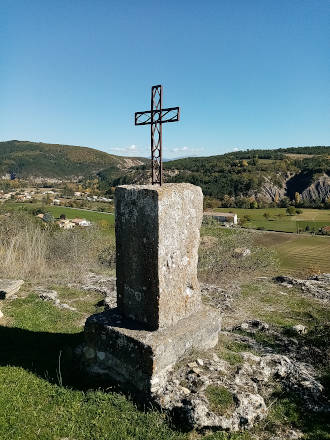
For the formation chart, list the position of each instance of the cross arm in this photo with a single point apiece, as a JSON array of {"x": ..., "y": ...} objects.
[{"x": 171, "y": 114}]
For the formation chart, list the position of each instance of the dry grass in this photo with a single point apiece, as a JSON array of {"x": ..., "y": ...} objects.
[
  {"x": 34, "y": 251},
  {"x": 218, "y": 262}
]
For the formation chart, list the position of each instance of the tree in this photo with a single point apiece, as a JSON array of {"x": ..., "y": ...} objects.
[
  {"x": 254, "y": 204},
  {"x": 38, "y": 211},
  {"x": 291, "y": 210},
  {"x": 297, "y": 198},
  {"x": 62, "y": 216},
  {"x": 284, "y": 202}
]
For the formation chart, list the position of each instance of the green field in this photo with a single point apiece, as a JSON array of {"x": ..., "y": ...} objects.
[
  {"x": 70, "y": 213},
  {"x": 280, "y": 221},
  {"x": 299, "y": 255}
]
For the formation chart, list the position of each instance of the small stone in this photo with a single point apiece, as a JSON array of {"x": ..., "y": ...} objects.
[
  {"x": 89, "y": 352},
  {"x": 200, "y": 362},
  {"x": 185, "y": 390},
  {"x": 1, "y": 314},
  {"x": 192, "y": 364},
  {"x": 197, "y": 370},
  {"x": 241, "y": 252},
  {"x": 300, "y": 329}
]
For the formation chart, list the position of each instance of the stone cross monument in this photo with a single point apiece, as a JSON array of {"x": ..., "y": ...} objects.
[{"x": 159, "y": 314}]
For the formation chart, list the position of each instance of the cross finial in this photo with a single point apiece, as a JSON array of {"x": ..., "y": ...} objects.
[{"x": 155, "y": 118}]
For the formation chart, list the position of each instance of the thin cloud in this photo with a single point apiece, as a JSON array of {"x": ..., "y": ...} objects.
[
  {"x": 185, "y": 151},
  {"x": 131, "y": 150}
]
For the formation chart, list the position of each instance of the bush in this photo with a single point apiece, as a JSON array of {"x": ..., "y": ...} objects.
[
  {"x": 48, "y": 218},
  {"x": 38, "y": 211},
  {"x": 291, "y": 210}
]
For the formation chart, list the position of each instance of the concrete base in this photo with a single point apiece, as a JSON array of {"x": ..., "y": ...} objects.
[{"x": 117, "y": 349}]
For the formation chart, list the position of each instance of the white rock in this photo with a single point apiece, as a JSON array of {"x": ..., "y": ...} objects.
[
  {"x": 185, "y": 390},
  {"x": 200, "y": 362},
  {"x": 192, "y": 364},
  {"x": 1, "y": 314},
  {"x": 241, "y": 252},
  {"x": 300, "y": 329}
]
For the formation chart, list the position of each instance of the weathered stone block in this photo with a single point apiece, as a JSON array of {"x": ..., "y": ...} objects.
[
  {"x": 139, "y": 360},
  {"x": 157, "y": 239}
]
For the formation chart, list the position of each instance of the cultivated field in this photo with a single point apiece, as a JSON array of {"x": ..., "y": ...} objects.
[
  {"x": 279, "y": 221},
  {"x": 299, "y": 254}
]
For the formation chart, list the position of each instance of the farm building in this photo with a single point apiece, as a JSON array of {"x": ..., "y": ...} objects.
[{"x": 225, "y": 217}]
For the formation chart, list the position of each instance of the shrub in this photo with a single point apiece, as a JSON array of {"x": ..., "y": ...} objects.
[
  {"x": 291, "y": 210},
  {"x": 38, "y": 211}
]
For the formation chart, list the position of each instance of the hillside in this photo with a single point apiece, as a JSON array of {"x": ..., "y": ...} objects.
[
  {"x": 243, "y": 177},
  {"x": 32, "y": 159}
]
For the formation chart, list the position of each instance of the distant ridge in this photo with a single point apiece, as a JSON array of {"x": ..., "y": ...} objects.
[{"x": 37, "y": 159}]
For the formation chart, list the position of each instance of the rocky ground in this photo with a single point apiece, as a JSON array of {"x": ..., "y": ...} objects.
[
  {"x": 233, "y": 389},
  {"x": 273, "y": 348}
]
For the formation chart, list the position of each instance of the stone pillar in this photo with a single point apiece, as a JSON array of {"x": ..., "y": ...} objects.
[
  {"x": 159, "y": 315},
  {"x": 157, "y": 239}
]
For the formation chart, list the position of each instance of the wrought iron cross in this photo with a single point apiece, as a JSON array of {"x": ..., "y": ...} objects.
[{"x": 156, "y": 117}]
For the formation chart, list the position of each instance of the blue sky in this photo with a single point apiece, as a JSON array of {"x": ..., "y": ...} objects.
[{"x": 245, "y": 73}]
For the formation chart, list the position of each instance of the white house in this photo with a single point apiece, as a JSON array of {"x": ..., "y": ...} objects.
[{"x": 225, "y": 217}]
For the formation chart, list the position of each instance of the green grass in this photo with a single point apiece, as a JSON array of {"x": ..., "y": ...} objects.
[
  {"x": 282, "y": 307},
  {"x": 280, "y": 221},
  {"x": 70, "y": 213},
  {"x": 42, "y": 394},
  {"x": 221, "y": 400},
  {"x": 33, "y": 408},
  {"x": 286, "y": 411}
]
